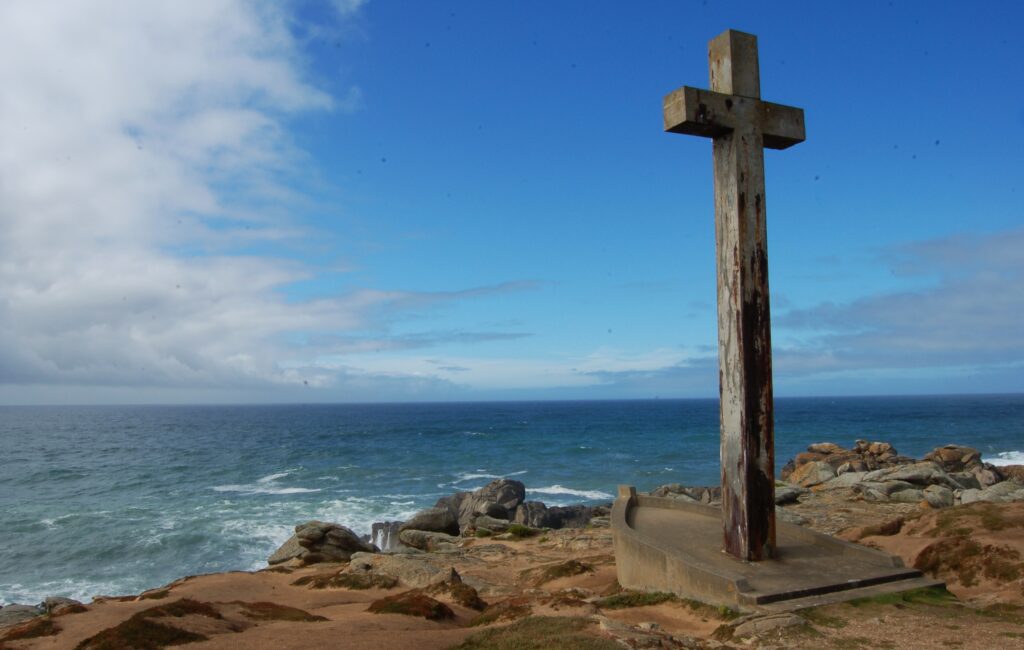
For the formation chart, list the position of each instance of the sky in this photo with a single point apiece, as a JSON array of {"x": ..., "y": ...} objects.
[{"x": 374, "y": 200}]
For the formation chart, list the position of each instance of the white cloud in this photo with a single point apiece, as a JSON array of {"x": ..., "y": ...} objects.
[
  {"x": 124, "y": 127},
  {"x": 969, "y": 318}
]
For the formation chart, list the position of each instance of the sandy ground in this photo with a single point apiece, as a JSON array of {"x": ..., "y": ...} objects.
[{"x": 977, "y": 549}]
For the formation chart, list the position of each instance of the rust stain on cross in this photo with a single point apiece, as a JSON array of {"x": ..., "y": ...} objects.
[{"x": 741, "y": 125}]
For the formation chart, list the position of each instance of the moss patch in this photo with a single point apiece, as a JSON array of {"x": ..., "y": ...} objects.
[
  {"x": 460, "y": 592},
  {"x": 413, "y": 603},
  {"x": 504, "y": 610},
  {"x": 159, "y": 594},
  {"x": 264, "y": 611},
  {"x": 347, "y": 581},
  {"x": 71, "y": 608},
  {"x": 540, "y": 633},
  {"x": 562, "y": 570},
  {"x": 140, "y": 632},
  {"x": 31, "y": 629}
]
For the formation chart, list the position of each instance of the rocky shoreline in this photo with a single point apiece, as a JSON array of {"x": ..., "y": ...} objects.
[{"x": 491, "y": 560}]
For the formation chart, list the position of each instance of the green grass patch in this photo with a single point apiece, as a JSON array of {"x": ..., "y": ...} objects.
[
  {"x": 540, "y": 633},
  {"x": 924, "y": 596},
  {"x": 484, "y": 532},
  {"x": 519, "y": 531},
  {"x": 628, "y": 599},
  {"x": 815, "y": 616}
]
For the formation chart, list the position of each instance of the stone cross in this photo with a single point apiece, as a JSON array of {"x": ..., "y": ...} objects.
[{"x": 740, "y": 126}]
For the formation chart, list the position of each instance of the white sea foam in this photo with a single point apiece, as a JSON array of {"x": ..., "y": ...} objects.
[
  {"x": 1007, "y": 458},
  {"x": 462, "y": 478},
  {"x": 262, "y": 489},
  {"x": 482, "y": 473},
  {"x": 273, "y": 477},
  {"x": 558, "y": 489}
]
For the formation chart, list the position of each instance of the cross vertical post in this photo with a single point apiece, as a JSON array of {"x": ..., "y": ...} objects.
[{"x": 741, "y": 125}]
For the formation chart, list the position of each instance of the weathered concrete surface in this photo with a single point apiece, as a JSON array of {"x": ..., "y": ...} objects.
[
  {"x": 741, "y": 125},
  {"x": 664, "y": 544}
]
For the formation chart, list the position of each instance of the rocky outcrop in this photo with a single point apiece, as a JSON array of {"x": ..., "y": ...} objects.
[
  {"x": 417, "y": 570},
  {"x": 316, "y": 541},
  {"x": 947, "y": 475},
  {"x": 1011, "y": 490},
  {"x": 958, "y": 460},
  {"x": 434, "y": 520},
  {"x": 812, "y": 473},
  {"x": 536, "y": 515},
  {"x": 498, "y": 499},
  {"x": 428, "y": 541},
  {"x": 705, "y": 495},
  {"x": 495, "y": 504},
  {"x": 865, "y": 456},
  {"x": 14, "y": 614}
]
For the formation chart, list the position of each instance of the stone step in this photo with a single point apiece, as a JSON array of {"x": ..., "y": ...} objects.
[{"x": 921, "y": 582}]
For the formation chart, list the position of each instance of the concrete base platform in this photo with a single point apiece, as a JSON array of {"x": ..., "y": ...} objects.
[{"x": 664, "y": 544}]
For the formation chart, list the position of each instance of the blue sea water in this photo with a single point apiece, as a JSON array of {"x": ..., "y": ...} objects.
[{"x": 117, "y": 499}]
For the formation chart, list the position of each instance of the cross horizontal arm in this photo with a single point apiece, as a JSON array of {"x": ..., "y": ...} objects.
[{"x": 709, "y": 114}]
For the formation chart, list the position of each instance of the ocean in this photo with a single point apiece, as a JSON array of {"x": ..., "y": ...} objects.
[{"x": 118, "y": 499}]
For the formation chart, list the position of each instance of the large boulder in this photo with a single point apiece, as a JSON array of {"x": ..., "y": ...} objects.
[
  {"x": 434, "y": 520},
  {"x": 536, "y": 515},
  {"x": 939, "y": 496},
  {"x": 498, "y": 499},
  {"x": 922, "y": 474},
  {"x": 317, "y": 541},
  {"x": 813, "y": 473},
  {"x": 427, "y": 541},
  {"x": 889, "y": 491},
  {"x": 533, "y": 514},
  {"x": 785, "y": 493},
  {"x": 954, "y": 458},
  {"x": 416, "y": 570},
  {"x": 452, "y": 502},
  {"x": 999, "y": 493}
]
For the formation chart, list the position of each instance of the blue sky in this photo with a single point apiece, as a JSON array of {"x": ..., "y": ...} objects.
[{"x": 385, "y": 201}]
